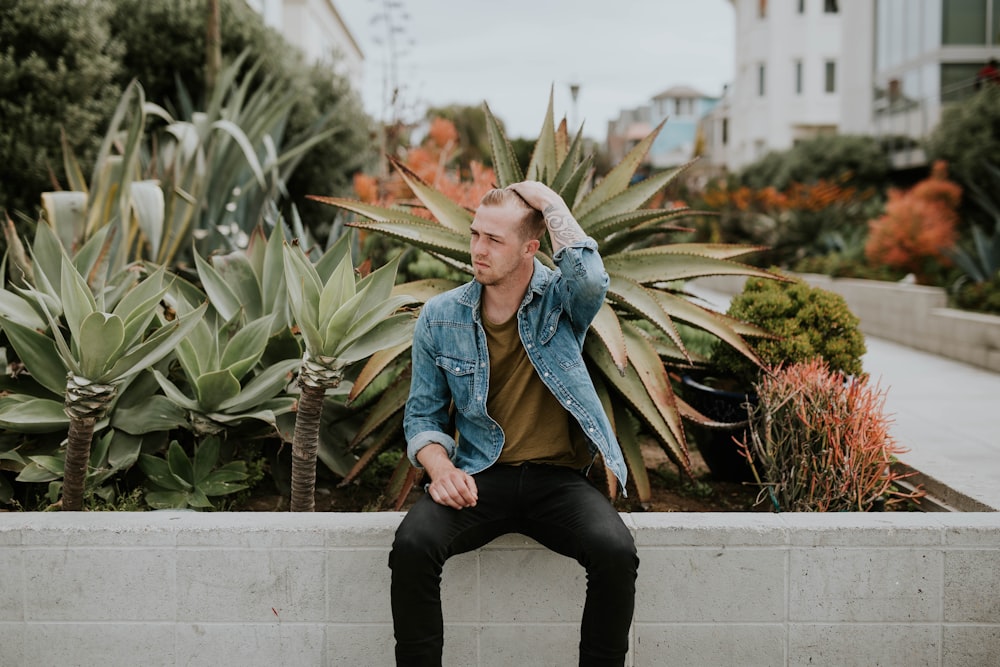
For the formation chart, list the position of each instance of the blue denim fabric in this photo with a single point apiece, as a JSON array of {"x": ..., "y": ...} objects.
[{"x": 450, "y": 362}]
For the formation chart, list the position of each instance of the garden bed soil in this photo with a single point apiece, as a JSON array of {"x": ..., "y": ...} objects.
[{"x": 670, "y": 492}]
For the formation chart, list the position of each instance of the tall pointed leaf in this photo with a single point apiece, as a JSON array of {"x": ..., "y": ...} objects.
[
  {"x": 542, "y": 166},
  {"x": 444, "y": 210},
  {"x": 39, "y": 355},
  {"x": 619, "y": 177},
  {"x": 505, "y": 164}
]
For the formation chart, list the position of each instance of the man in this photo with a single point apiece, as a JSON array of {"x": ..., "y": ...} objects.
[{"x": 505, "y": 351}]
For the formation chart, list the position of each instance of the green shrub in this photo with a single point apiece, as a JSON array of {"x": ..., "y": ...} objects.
[
  {"x": 830, "y": 157},
  {"x": 807, "y": 322},
  {"x": 982, "y": 297},
  {"x": 59, "y": 68},
  {"x": 968, "y": 136},
  {"x": 64, "y": 63}
]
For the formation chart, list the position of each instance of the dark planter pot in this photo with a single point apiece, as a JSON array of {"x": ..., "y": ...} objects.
[{"x": 718, "y": 446}]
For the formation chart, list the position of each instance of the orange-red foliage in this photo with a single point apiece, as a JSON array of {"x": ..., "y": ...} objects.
[
  {"x": 796, "y": 197},
  {"x": 433, "y": 161},
  {"x": 918, "y": 226}
]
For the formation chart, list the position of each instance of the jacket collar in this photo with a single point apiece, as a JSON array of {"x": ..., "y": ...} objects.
[{"x": 472, "y": 293}]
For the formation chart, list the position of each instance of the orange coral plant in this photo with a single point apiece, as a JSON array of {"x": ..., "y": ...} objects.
[
  {"x": 434, "y": 162},
  {"x": 918, "y": 227}
]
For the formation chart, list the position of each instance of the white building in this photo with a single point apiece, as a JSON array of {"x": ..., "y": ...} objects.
[
  {"x": 883, "y": 68},
  {"x": 923, "y": 55},
  {"x": 788, "y": 79},
  {"x": 318, "y": 30}
]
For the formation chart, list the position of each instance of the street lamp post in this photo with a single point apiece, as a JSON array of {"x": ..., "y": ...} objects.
[{"x": 574, "y": 92}]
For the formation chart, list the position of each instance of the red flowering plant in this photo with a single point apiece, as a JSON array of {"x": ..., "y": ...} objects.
[{"x": 919, "y": 227}]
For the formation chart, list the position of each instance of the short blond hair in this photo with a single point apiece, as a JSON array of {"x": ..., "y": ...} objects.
[{"x": 532, "y": 221}]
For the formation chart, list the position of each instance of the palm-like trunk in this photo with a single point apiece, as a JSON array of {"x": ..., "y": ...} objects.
[
  {"x": 305, "y": 445},
  {"x": 81, "y": 432},
  {"x": 85, "y": 403}
]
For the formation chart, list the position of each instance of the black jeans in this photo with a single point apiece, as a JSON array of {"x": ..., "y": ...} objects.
[{"x": 556, "y": 506}]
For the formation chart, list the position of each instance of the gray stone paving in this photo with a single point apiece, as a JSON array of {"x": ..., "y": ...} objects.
[{"x": 946, "y": 413}]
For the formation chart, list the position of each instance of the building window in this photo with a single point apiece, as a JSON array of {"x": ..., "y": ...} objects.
[
  {"x": 830, "y": 6},
  {"x": 958, "y": 81},
  {"x": 802, "y": 6},
  {"x": 964, "y": 22},
  {"x": 761, "y": 79},
  {"x": 996, "y": 22},
  {"x": 830, "y": 76},
  {"x": 761, "y": 9},
  {"x": 798, "y": 77},
  {"x": 725, "y": 131}
]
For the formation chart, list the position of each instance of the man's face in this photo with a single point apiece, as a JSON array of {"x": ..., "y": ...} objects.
[{"x": 497, "y": 249}]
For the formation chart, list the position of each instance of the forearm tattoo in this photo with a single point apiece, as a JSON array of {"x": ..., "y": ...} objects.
[{"x": 563, "y": 228}]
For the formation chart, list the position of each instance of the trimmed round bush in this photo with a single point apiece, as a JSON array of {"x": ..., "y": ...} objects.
[{"x": 806, "y": 322}]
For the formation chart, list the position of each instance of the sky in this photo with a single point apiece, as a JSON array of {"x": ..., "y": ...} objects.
[{"x": 511, "y": 53}]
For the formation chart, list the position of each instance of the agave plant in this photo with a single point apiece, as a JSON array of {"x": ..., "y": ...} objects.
[
  {"x": 180, "y": 481},
  {"x": 211, "y": 175},
  {"x": 113, "y": 335},
  {"x": 221, "y": 358},
  {"x": 217, "y": 359},
  {"x": 342, "y": 321},
  {"x": 634, "y": 333}
]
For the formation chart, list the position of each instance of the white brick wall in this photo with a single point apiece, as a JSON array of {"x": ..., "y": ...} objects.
[{"x": 182, "y": 588}]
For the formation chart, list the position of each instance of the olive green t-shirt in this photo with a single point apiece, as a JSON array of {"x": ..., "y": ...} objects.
[{"x": 536, "y": 427}]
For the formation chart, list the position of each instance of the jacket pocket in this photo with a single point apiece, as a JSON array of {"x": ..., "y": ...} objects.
[
  {"x": 549, "y": 325},
  {"x": 461, "y": 374}
]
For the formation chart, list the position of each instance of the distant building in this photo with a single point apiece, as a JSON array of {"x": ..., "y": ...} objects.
[
  {"x": 922, "y": 56},
  {"x": 788, "y": 82},
  {"x": 675, "y": 144},
  {"x": 316, "y": 28},
  {"x": 883, "y": 68}
]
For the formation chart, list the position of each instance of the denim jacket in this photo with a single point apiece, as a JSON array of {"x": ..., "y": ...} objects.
[{"x": 450, "y": 362}]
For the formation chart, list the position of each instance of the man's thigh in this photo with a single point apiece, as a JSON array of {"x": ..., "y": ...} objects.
[
  {"x": 446, "y": 531},
  {"x": 569, "y": 515}
]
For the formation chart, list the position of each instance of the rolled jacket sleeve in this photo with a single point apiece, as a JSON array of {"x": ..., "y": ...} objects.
[
  {"x": 584, "y": 281},
  {"x": 426, "y": 415}
]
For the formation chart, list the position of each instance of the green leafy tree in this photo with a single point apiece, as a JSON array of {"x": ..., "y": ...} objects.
[
  {"x": 59, "y": 71},
  {"x": 968, "y": 136},
  {"x": 164, "y": 43}
]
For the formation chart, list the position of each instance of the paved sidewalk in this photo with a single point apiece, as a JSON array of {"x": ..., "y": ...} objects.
[{"x": 946, "y": 413}]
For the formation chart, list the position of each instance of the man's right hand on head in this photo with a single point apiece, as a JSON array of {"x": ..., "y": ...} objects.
[{"x": 450, "y": 486}]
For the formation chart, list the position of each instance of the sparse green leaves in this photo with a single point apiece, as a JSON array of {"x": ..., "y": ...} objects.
[{"x": 180, "y": 482}]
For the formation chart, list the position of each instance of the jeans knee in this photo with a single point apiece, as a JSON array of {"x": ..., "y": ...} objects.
[
  {"x": 414, "y": 549},
  {"x": 616, "y": 553}
]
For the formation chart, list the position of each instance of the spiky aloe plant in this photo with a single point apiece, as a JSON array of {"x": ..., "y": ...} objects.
[
  {"x": 634, "y": 332},
  {"x": 342, "y": 321},
  {"x": 108, "y": 344}
]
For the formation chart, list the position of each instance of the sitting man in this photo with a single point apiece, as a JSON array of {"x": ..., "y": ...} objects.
[{"x": 506, "y": 350}]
